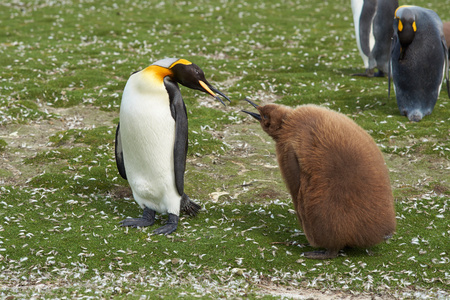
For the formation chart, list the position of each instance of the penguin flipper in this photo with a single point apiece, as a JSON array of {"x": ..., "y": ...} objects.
[
  {"x": 119, "y": 154},
  {"x": 179, "y": 114},
  {"x": 393, "y": 42},
  {"x": 365, "y": 25}
]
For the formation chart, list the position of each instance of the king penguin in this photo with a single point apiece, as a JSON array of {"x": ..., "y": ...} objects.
[
  {"x": 152, "y": 139},
  {"x": 419, "y": 60},
  {"x": 373, "y": 21}
]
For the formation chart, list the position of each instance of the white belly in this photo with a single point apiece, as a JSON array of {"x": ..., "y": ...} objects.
[{"x": 148, "y": 133}]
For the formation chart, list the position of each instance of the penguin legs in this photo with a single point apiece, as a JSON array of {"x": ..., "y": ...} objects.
[
  {"x": 370, "y": 73},
  {"x": 170, "y": 226},
  {"x": 321, "y": 254},
  {"x": 148, "y": 218}
]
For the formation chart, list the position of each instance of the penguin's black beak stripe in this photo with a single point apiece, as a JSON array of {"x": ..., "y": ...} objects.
[
  {"x": 253, "y": 104},
  {"x": 254, "y": 115},
  {"x": 213, "y": 92}
]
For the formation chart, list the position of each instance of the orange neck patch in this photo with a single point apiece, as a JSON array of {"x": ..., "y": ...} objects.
[{"x": 157, "y": 73}]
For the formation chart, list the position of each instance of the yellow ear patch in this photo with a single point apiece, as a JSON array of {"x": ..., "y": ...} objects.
[
  {"x": 181, "y": 61},
  {"x": 157, "y": 73},
  {"x": 400, "y": 25},
  {"x": 414, "y": 26}
]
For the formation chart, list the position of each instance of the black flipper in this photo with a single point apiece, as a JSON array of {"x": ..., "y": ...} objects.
[
  {"x": 179, "y": 114},
  {"x": 365, "y": 24},
  {"x": 178, "y": 110},
  {"x": 394, "y": 41},
  {"x": 119, "y": 154}
]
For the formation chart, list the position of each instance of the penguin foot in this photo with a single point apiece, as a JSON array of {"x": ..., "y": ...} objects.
[
  {"x": 367, "y": 73},
  {"x": 379, "y": 74},
  {"x": 170, "y": 226},
  {"x": 321, "y": 254},
  {"x": 148, "y": 218},
  {"x": 188, "y": 206}
]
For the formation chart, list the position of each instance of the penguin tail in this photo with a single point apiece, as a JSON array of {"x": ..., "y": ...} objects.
[{"x": 188, "y": 206}]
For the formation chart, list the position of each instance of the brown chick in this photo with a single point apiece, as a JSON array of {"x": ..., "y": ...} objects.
[{"x": 336, "y": 176}]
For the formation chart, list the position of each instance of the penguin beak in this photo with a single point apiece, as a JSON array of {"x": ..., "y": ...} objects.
[
  {"x": 213, "y": 91},
  {"x": 253, "y": 104},
  {"x": 254, "y": 115}
]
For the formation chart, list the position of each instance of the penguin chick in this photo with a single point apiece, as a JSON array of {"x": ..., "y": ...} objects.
[
  {"x": 152, "y": 139},
  {"x": 336, "y": 176},
  {"x": 419, "y": 60},
  {"x": 446, "y": 26}
]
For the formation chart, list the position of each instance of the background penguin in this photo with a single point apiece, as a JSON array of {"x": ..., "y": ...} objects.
[
  {"x": 419, "y": 60},
  {"x": 373, "y": 21},
  {"x": 336, "y": 176},
  {"x": 152, "y": 139}
]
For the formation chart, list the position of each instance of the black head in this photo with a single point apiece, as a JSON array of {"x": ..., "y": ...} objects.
[
  {"x": 406, "y": 26},
  {"x": 190, "y": 75}
]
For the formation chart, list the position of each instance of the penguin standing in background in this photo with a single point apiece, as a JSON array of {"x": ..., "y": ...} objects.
[
  {"x": 419, "y": 60},
  {"x": 152, "y": 139},
  {"x": 373, "y": 21}
]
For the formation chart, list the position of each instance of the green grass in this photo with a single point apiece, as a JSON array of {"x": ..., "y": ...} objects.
[{"x": 63, "y": 67}]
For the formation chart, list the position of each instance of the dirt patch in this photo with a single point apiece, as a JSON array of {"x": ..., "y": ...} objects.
[{"x": 26, "y": 140}]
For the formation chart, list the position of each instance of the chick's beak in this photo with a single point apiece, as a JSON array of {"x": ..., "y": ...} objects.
[
  {"x": 253, "y": 104},
  {"x": 254, "y": 115},
  {"x": 213, "y": 91}
]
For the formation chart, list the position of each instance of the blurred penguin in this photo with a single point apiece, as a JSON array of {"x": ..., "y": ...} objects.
[{"x": 373, "y": 21}]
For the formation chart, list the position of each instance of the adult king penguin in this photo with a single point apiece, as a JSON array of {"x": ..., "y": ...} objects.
[
  {"x": 373, "y": 21},
  {"x": 152, "y": 139},
  {"x": 419, "y": 60}
]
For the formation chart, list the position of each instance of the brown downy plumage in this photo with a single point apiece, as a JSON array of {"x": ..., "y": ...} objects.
[
  {"x": 336, "y": 176},
  {"x": 447, "y": 33}
]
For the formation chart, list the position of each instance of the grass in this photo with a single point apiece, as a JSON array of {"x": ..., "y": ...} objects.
[{"x": 63, "y": 67}]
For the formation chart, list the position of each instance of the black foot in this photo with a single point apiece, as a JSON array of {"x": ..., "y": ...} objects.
[
  {"x": 321, "y": 254},
  {"x": 379, "y": 74},
  {"x": 188, "y": 206},
  {"x": 367, "y": 73},
  {"x": 148, "y": 218},
  {"x": 170, "y": 226}
]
